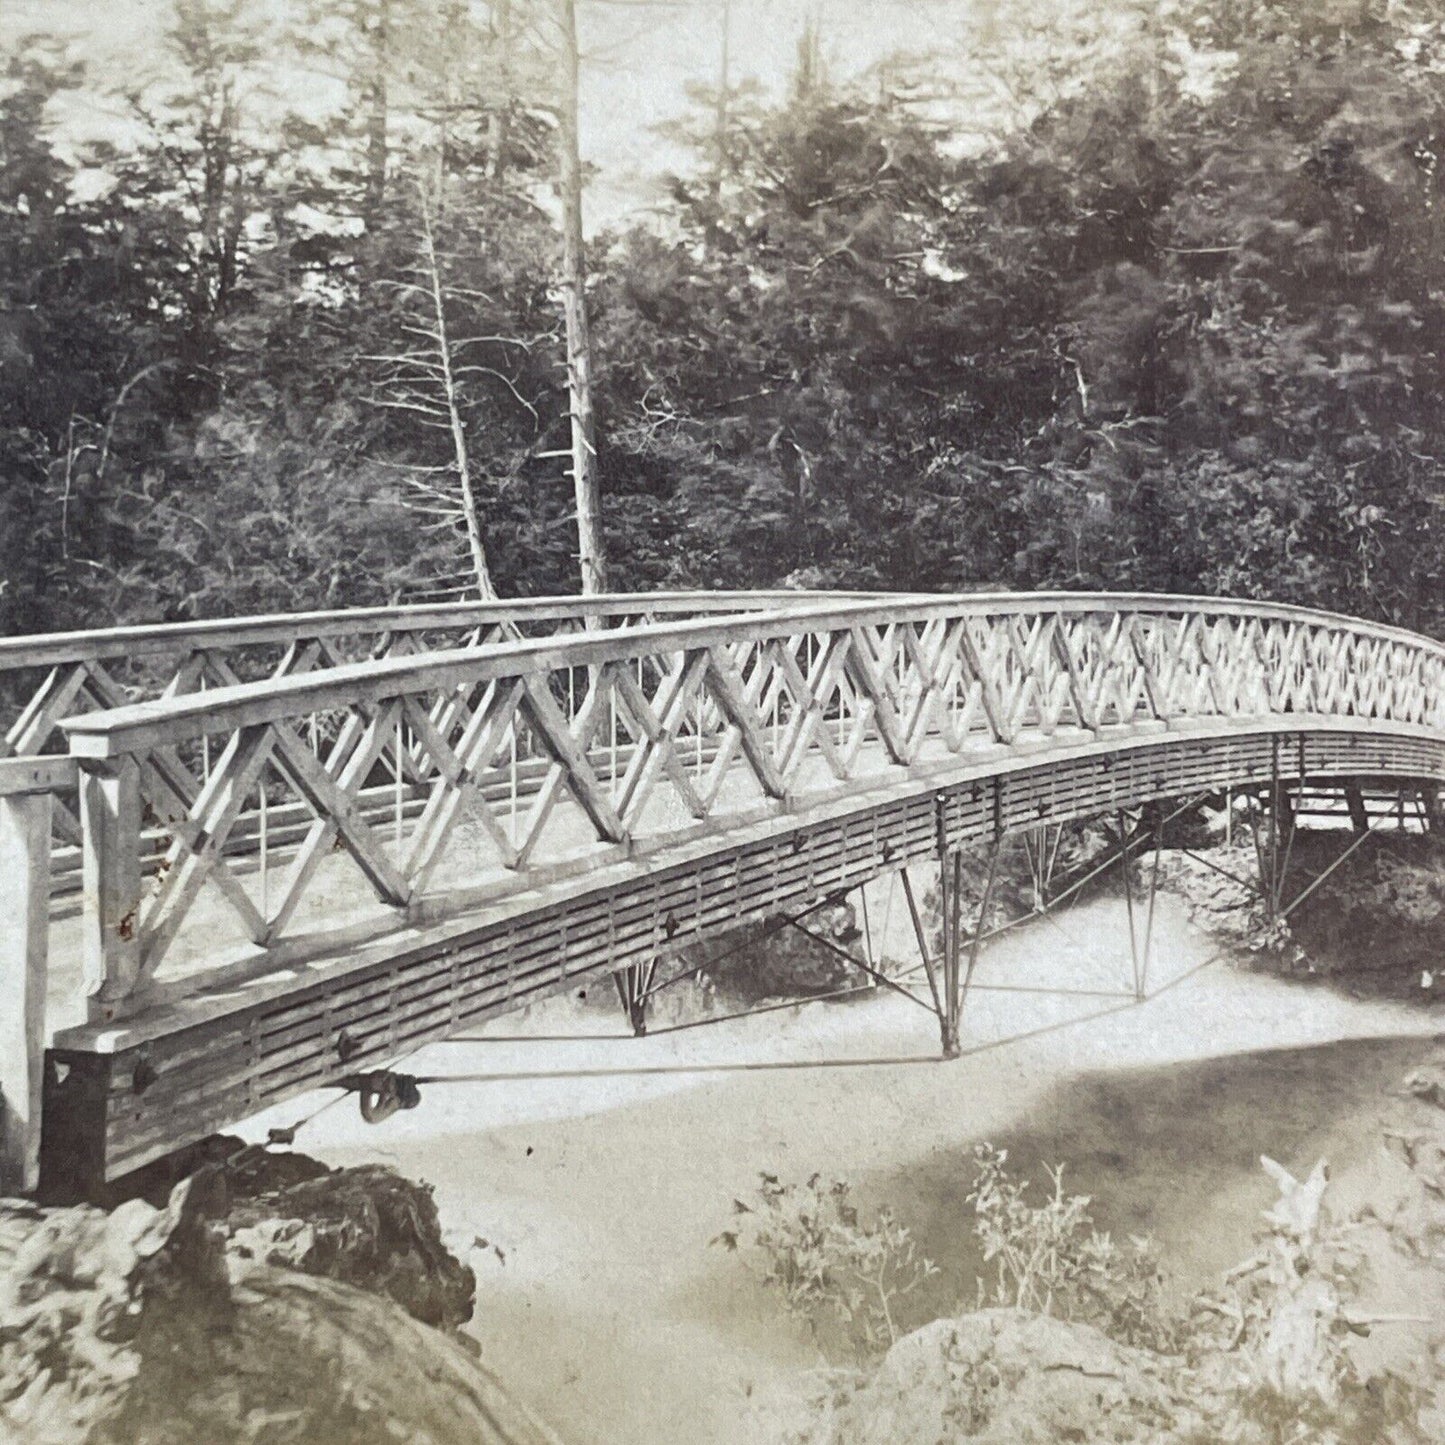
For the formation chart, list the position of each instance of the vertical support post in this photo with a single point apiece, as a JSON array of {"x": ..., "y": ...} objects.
[
  {"x": 923, "y": 950},
  {"x": 1283, "y": 813},
  {"x": 1041, "y": 849},
  {"x": 1430, "y": 802},
  {"x": 1281, "y": 832},
  {"x": 111, "y": 874},
  {"x": 952, "y": 897},
  {"x": 976, "y": 940},
  {"x": 873, "y": 962},
  {"x": 1129, "y": 905},
  {"x": 955, "y": 977},
  {"x": 1269, "y": 868},
  {"x": 1359, "y": 815},
  {"x": 1141, "y": 986},
  {"x": 1033, "y": 858},
  {"x": 25, "y": 820},
  {"x": 634, "y": 986},
  {"x": 1273, "y": 863}
]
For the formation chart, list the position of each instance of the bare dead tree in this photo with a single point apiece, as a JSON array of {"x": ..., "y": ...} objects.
[
  {"x": 720, "y": 123},
  {"x": 425, "y": 382},
  {"x": 591, "y": 557},
  {"x": 445, "y": 372}
]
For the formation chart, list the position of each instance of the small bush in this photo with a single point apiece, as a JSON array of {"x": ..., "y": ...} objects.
[
  {"x": 757, "y": 961},
  {"x": 829, "y": 1264},
  {"x": 1049, "y": 1259},
  {"x": 1383, "y": 1410}
]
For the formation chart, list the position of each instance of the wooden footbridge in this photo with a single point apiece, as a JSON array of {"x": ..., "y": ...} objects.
[{"x": 241, "y": 860}]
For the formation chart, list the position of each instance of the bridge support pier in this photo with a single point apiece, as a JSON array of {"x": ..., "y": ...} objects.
[
  {"x": 1272, "y": 827},
  {"x": 950, "y": 976},
  {"x": 950, "y": 897},
  {"x": 1355, "y": 801},
  {"x": 634, "y": 988},
  {"x": 1139, "y": 948},
  {"x": 1041, "y": 849}
]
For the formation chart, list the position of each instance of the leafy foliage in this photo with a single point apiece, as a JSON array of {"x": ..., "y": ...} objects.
[
  {"x": 1048, "y": 1258},
  {"x": 828, "y": 1262},
  {"x": 1156, "y": 312}
]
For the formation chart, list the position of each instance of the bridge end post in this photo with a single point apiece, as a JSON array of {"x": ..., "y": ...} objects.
[
  {"x": 110, "y": 815},
  {"x": 25, "y": 822},
  {"x": 73, "y": 1142}
]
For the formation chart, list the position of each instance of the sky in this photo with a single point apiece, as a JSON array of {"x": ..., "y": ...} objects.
[
  {"x": 638, "y": 60},
  {"x": 640, "y": 64}
]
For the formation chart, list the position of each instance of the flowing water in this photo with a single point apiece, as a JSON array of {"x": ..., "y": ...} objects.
[{"x": 587, "y": 1205}]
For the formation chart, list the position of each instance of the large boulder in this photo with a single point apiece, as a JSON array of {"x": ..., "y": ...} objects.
[
  {"x": 1002, "y": 1377},
  {"x": 212, "y": 1320},
  {"x": 367, "y": 1227}
]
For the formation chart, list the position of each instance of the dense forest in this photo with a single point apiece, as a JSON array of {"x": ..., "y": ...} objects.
[{"x": 1167, "y": 313}]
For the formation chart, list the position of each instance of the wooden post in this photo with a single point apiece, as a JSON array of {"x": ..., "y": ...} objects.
[
  {"x": 111, "y": 874},
  {"x": 1430, "y": 802},
  {"x": 951, "y": 896},
  {"x": 1359, "y": 816},
  {"x": 634, "y": 986},
  {"x": 26, "y": 785}
]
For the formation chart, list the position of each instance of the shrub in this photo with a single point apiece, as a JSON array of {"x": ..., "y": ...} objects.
[
  {"x": 828, "y": 1263},
  {"x": 757, "y": 961},
  {"x": 1048, "y": 1258}
]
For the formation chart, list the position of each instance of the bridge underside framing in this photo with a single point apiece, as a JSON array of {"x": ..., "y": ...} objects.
[{"x": 116, "y": 1099}]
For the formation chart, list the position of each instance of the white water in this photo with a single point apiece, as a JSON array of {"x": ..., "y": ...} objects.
[{"x": 607, "y": 1309}]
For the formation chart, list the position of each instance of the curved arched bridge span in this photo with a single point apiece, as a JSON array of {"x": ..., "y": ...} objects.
[{"x": 291, "y": 878}]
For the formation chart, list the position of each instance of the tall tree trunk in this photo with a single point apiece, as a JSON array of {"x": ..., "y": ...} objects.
[
  {"x": 447, "y": 376},
  {"x": 377, "y": 114},
  {"x": 500, "y": 127},
  {"x": 454, "y": 19},
  {"x": 590, "y": 556},
  {"x": 720, "y": 127}
]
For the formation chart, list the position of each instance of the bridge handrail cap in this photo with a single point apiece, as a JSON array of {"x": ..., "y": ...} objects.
[{"x": 186, "y": 716}]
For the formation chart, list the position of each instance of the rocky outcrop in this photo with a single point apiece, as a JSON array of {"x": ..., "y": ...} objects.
[
  {"x": 1003, "y": 1377},
  {"x": 1415, "y": 1137},
  {"x": 1266, "y": 1356},
  {"x": 295, "y": 1315},
  {"x": 366, "y": 1227}
]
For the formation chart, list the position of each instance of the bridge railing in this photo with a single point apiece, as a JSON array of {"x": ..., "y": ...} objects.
[
  {"x": 406, "y": 791},
  {"x": 47, "y": 677}
]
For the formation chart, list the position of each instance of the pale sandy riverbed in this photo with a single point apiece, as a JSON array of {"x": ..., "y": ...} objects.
[{"x": 613, "y": 1316}]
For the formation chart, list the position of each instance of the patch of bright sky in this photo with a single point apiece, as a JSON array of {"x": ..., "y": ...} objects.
[{"x": 640, "y": 56}]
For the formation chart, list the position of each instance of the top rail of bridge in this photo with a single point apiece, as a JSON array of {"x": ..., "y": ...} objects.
[{"x": 493, "y": 616}]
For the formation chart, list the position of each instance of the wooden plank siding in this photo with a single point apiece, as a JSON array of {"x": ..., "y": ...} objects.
[{"x": 209, "y": 1071}]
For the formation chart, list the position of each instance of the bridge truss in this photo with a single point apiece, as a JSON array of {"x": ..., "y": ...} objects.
[{"x": 294, "y": 877}]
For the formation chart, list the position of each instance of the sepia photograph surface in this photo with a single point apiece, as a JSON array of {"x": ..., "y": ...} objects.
[{"x": 722, "y": 722}]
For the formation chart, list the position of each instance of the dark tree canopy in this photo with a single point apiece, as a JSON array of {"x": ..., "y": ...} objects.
[{"x": 1172, "y": 322}]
